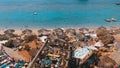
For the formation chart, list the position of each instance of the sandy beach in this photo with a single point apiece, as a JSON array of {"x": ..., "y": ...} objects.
[{"x": 66, "y": 38}]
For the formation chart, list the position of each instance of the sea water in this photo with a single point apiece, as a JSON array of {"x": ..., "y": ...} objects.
[{"x": 58, "y": 13}]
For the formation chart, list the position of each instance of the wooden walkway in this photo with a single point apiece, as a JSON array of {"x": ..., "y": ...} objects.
[{"x": 33, "y": 61}]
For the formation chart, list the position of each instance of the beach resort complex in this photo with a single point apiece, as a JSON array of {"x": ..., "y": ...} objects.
[{"x": 59, "y": 34}]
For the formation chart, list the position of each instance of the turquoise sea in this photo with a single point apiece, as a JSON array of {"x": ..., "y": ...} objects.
[{"x": 57, "y": 13}]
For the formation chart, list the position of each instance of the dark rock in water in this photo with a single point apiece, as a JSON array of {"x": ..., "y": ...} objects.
[{"x": 118, "y": 3}]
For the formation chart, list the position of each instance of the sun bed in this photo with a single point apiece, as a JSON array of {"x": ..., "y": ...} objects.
[{"x": 53, "y": 55}]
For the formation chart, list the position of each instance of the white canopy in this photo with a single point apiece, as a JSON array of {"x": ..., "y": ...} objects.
[
  {"x": 94, "y": 35},
  {"x": 2, "y": 42},
  {"x": 43, "y": 38}
]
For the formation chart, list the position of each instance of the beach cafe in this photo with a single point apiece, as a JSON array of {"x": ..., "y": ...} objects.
[{"x": 83, "y": 53}]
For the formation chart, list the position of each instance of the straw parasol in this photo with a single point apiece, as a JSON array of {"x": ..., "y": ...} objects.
[
  {"x": 9, "y": 31},
  {"x": 44, "y": 31},
  {"x": 106, "y": 62},
  {"x": 8, "y": 36},
  {"x": 116, "y": 56},
  {"x": 29, "y": 38},
  {"x": 104, "y": 35},
  {"x": 102, "y": 27},
  {"x": 9, "y": 43},
  {"x": 84, "y": 29},
  {"x": 17, "y": 42},
  {"x": 80, "y": 36},
  {"x": 27, "y": 31},
  {"x": 72, "y": 31},
  {"x": 58, "y": 31},
  {"x": 3, "y": 37},
  {"x": 101, "y": 31}
]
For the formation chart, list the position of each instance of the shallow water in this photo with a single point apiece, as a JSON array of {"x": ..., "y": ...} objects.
[{"x": 58, "y": 13}]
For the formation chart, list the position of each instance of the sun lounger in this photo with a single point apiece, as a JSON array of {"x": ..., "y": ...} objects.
[{"x": 53, "y": 55}]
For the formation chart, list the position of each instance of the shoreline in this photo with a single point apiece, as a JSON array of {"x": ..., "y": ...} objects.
[{"x": 35, "y": 30}]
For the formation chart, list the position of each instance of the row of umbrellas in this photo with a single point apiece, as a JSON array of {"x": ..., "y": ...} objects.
[
  {"x": 46, "y": 30},
  {"x": 59, "y": 31},
  {"x": 9, "y": 33}
]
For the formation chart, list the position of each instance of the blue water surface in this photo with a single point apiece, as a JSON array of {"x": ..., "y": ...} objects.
[{"x": 58, "y": 13}]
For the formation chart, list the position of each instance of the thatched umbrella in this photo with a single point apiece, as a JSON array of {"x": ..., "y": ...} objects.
[
  {"x": 27, "y": 31},
  {"x": 9, "y": 31},
  {"x": 102, "y": 27},
  {"x": 44, "y": 31},
  {"x": 84, "y": 30},
  {"x": 104, "y": 36},
  {"x": 59, "y": 42},
  {"x": 116, "y": 56},
  {"x": 29, "y": 38},
  {"x": 76, "y": 44},
  {"x": 3, "y": 37},
  {"x": 17, "y": 42},
  {"x": 52, "y": 37},
  {"x": 7, "y": 36},
  {"x": 58, "y": 30},
  {"x": 9, "y": 44},
  {"x": 102, "y": 31},
  {"x": 106, "y": 62},
  {"x": 80, "y": 36},
  {"x": 59, "y": 33},
  {"x": 70, "y": 30}
]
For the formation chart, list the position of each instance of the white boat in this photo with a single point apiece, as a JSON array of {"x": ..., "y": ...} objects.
[
  {"x": 35, "y": 13},
  {"x": 113, "y": 19},
  {"x": 107, "y": 20}
]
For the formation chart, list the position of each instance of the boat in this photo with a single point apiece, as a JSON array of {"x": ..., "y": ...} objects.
[
  {"x": 107, "y": 20},
  {"x": 118, "y": 3},
  {"x": 113, "y": 19},
  {"x": 35, "y": 13}
]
